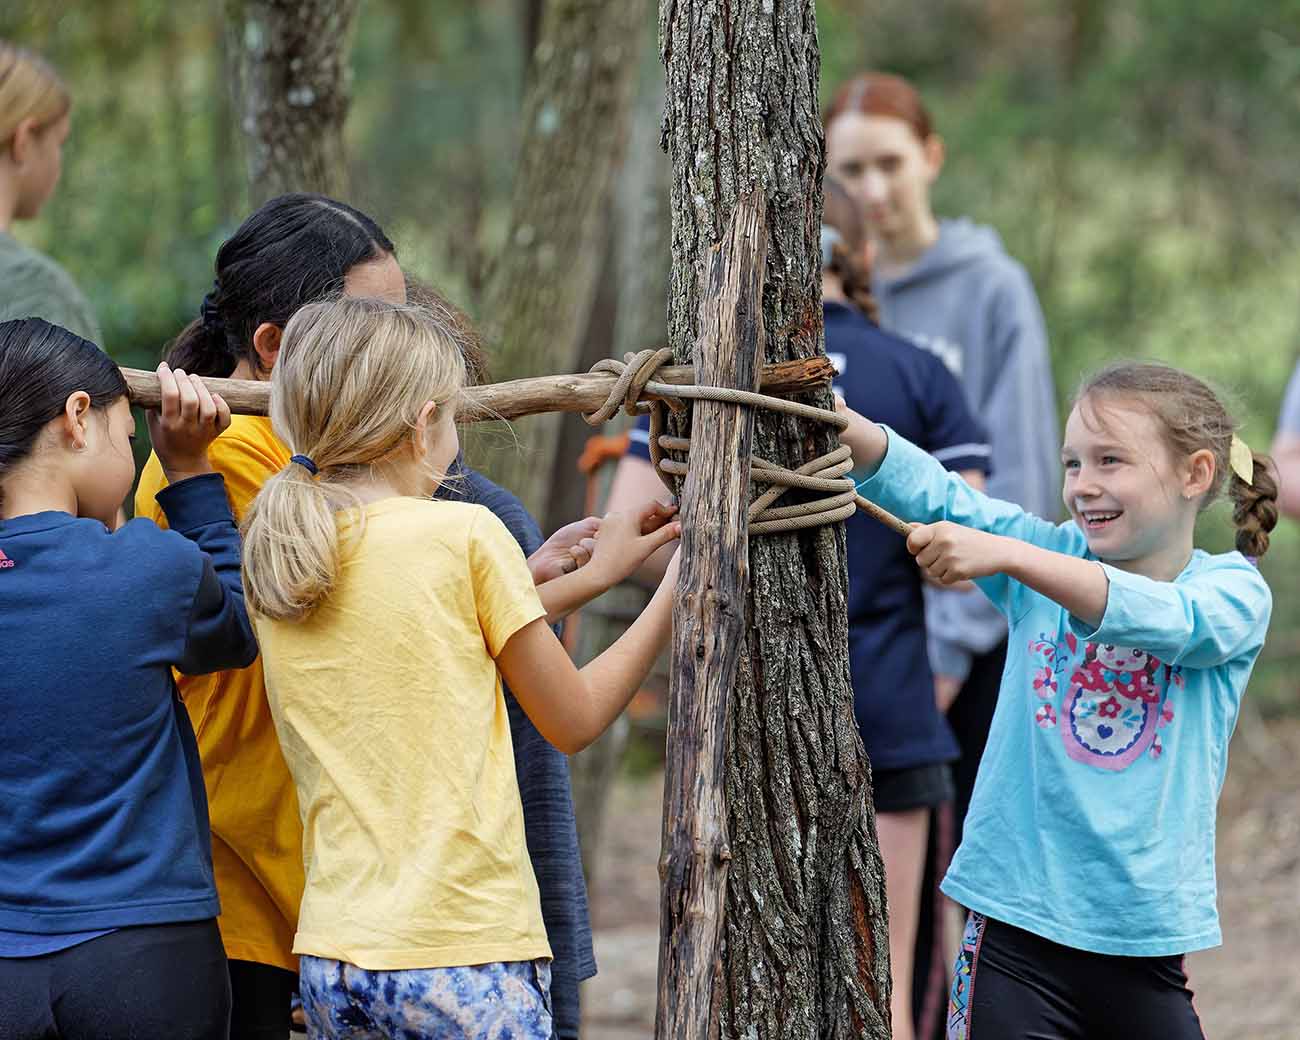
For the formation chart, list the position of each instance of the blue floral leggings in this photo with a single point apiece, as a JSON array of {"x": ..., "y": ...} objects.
[{"x": 502, "y": 1001}]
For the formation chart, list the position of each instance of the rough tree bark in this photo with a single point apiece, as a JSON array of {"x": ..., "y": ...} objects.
[
  {"x": 291, "y": 59},
  {"x": 574, "y": 119},
  {"x": 804, "y": 948}
]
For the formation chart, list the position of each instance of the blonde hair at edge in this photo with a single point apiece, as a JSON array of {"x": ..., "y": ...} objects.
[
  {"x": 348, "y": 386},
  {"x": 29, "y": 89}
]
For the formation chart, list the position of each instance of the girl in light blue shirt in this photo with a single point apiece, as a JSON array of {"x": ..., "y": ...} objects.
[{"x": 1087, "y": 860}]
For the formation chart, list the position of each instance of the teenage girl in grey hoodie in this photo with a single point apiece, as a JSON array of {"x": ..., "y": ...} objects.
[{"x": 951, "y": 287}]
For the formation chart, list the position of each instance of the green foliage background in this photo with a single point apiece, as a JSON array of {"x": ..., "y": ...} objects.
[{"x": 1138, "y": 157}]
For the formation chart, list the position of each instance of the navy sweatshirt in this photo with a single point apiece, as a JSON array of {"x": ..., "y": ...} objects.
[
  {"x": 103, "y": 815},
  {"x": 895, "y": 382}
]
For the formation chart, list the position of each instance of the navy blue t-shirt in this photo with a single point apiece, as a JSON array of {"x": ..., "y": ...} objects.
[
  {"x": 550, "y": 827},
  {"x": 105, "y": 820},
  {"x": 895, "y": 382}
]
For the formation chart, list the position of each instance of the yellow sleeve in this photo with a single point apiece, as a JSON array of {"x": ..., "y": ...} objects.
[
  {"x": 504, "y": 593},
  {"x": 151, "y": 482},
  {"x": 243, "y": 461},
  {"x": 246, "y": 467}
]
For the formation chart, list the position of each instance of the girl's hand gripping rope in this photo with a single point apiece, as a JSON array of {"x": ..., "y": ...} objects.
[
  {"x": 621, "y": 543},
  {"x": 949, "y": 553},
  {"x": 189, "y": 419},
  {"x": 627, "y": 540}
]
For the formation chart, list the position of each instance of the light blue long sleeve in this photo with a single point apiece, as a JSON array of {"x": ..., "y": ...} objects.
[
  {"x": 1092, "y": 822},
  {"x": 1204, "y": 620}
]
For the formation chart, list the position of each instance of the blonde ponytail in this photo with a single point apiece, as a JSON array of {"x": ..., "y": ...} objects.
[
  {"x": 348, "y": 386},
  {"x": 291, "y": 546},
  {"x": 29, "y": 89}
]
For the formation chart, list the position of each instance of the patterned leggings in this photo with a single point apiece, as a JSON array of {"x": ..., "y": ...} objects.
[
  {"x": 1010, "y": 984},
  {"x": 483, "y": 1002}
]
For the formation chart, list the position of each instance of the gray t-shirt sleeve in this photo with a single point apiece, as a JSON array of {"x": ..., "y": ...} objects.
[
  {"x": 34, "y": 286},
  {"x": 1288, "y": 420}
]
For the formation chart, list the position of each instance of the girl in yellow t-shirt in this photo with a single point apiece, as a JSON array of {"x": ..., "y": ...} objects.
[{"x": 387, "y": 622}]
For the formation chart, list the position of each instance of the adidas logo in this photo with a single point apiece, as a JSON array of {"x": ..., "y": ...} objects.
[{"x": 5, "y": 562}]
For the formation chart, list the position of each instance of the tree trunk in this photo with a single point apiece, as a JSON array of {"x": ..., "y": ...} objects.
[
  {"x": 292, "y": 58},
  {"x": 575, "y": 116},
  {"x": 804, "y": 946}
]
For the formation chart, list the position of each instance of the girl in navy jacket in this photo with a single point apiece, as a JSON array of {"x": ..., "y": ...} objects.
[{"x": 107, "y": 903}]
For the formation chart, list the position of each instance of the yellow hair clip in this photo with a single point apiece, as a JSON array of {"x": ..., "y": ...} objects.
[{"x": 1241, "y": 460}]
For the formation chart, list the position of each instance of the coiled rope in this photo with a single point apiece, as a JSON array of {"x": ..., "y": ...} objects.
[{"x": 826, "y": 473}]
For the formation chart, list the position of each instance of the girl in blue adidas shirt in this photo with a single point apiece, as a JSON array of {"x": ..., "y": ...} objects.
[
  {"x": 1087, "y": 860},
  {"x": 107, "y": 904}
]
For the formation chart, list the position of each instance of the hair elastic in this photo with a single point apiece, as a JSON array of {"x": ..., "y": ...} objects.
[
  {"x": 209, "y": 314},
  {"x": 305, "y": 463}
]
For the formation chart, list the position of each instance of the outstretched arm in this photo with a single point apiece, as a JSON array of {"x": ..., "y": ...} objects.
[
  {"x": 572, "y": 708},
  {"x": 951, "y": 553},
  {"x": 865, "y": 439}
]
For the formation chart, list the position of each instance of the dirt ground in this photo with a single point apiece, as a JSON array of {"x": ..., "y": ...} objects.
[{"x": 1248, "y": 989}]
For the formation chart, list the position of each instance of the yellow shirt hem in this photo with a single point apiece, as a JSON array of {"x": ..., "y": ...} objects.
[{"x": 423, "y": 957}]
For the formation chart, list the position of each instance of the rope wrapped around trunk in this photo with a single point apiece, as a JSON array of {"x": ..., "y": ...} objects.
[{"x": 826, "y": 473}]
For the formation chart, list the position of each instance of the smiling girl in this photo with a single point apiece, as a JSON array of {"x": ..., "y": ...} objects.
[{"x": 1088, "y": 855}]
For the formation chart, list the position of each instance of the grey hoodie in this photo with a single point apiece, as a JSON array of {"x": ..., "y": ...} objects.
[{"x": 974, "y": 306}]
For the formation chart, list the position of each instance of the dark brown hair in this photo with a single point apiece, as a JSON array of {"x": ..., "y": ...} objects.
[
  {"x": 880, "y": 94},
  {"x": 41, "y": 366},
  {"x": 846, "y": 259},
  {"x": 1193, "y": 418},
  {"x": 294, "y": 250}
]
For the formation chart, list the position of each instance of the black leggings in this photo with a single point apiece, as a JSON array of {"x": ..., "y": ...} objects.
[
  {"x": 259, "y": 1000},
  {"x": 1010, "y": 984},
  {"x": 155, "y": 982}
]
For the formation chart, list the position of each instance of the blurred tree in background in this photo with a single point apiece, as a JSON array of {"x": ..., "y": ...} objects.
[
  {"x": 1138, "y": 157},
  {"x": 289, "y": 62}
]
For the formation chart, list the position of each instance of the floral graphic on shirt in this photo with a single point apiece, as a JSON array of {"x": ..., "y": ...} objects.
[
  {"x": 1045, "y": 681},
  {"x": 1114, "y": 701}
]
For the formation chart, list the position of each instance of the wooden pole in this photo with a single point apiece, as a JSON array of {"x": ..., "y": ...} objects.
[
  {"x": 708, "y": 627},
  {"x": 518, "y": 397}
]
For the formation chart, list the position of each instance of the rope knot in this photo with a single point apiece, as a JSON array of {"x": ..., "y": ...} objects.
[
  {"x": 634, "y": 373},
  {"x": 826, "y": 473}
]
